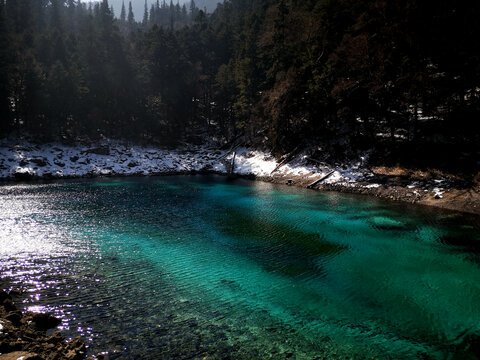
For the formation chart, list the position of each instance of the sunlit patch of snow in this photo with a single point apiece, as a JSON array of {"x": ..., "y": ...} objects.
[
  {"x": 249, "y": 162},
  {"x": 438, "y": 192},
  {"x": 24, "y": 170},
  {"x": 334, "y": 178}
]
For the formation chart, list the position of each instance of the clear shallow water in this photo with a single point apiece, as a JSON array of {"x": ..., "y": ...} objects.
[{"x": 188, "y": 267}]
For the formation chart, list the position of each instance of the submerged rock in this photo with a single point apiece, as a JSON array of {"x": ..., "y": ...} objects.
[
  {"x": 8, "y": 305},
  {"x": 23, "y": 336},
  {"x": 4, "y": 296},
  {"x": 385, "y": 223},
  {"x": 14, "y": 317},
  {"x": 45, "y": 321}
]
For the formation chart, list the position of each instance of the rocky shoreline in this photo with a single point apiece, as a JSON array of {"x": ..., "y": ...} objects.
[
  {"x": 454, "y": 196},
  {"x": 23, "y": 335},
  {"x": 22, "y": 160}
]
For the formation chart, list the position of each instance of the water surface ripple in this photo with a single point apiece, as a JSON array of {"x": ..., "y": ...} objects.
[{"x": 194, "y": 267}]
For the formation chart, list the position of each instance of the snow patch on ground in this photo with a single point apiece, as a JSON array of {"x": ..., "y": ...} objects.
[
  {"x": 254, "y": 162},
  {"x": 438, "y": 192},
  {"x": 23, "y": 160},
  {"x": 57, "y": 161}
]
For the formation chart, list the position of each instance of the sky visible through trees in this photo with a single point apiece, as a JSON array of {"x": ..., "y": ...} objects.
[{"x": 139, "y": 5}]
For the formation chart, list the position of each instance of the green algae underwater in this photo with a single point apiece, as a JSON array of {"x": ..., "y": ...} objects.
[{"x": 207, "y": 267}]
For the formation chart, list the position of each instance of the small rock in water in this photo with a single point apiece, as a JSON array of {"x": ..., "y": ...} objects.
[
  {"x": 8, "y": 305},
  {"x": 14, "y": 317},
  {"x": 4, "y": 296},
  {"x": 385, "y": 223},
  {"x": 45, "y": 321}
]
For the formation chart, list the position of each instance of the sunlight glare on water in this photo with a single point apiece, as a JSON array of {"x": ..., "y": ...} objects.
[
  {"x": 188, "y": 267},
  {"x": 25, "y": 230}
]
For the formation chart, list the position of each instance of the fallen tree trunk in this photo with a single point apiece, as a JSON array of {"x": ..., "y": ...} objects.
[{"x": 316, "y": 182}]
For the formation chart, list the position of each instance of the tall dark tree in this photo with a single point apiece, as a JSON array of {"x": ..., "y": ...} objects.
[
  {"x": 131, "y": 16},
  {"x": 123, "y": 13},
  {"x": 145, "y": 15}
]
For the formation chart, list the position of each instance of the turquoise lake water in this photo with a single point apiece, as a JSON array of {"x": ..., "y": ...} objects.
[{"x": 206, "y": 267}]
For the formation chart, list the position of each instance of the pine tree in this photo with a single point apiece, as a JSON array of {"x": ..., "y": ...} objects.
[
  {"x": 152, "y": 20},
  {"x": 172, "y": 14},
  {"x": 178, "y": 11},
  {"x": 131, "y": 17},
  {"x": 159, "y": 12},
  {"x": 123, "y": 13},
  {"x": 145, "y": 15},
  {"x": 106, "y": 17},
  {"x": 184, "y": 13},
  {"x": 193, "y": 10}
]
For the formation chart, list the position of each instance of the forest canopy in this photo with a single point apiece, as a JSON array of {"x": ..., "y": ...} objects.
[{"x": 401, "y": 76}]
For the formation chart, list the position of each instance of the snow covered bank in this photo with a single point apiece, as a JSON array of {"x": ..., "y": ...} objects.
[
  {"x": 103, "y": 159},
  {"x": 25, "y": 160}
]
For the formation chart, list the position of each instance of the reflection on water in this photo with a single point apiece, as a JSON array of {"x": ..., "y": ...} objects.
[{"x": 188, "y": 267}]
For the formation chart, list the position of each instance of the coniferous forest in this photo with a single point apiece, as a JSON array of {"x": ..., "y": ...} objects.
[{"x": 401, "y": 77}]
